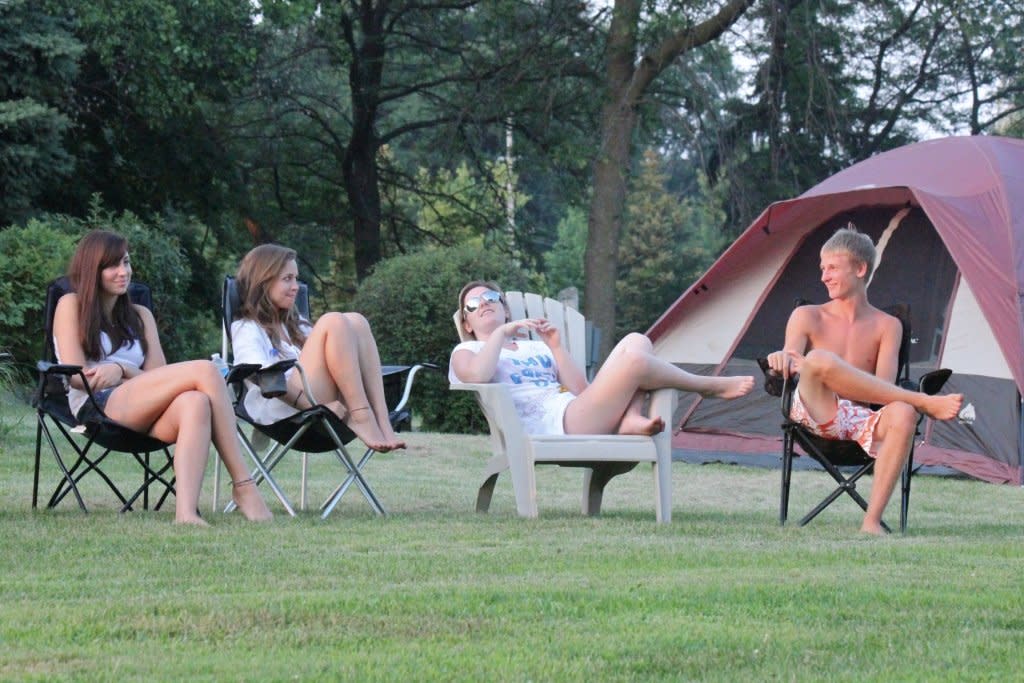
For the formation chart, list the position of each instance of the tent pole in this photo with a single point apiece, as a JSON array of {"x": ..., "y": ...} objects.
[{"x": 1020, "y": 440}]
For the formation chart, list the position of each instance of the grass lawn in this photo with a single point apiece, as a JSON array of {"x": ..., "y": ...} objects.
[{"x": 437, "y": 592}]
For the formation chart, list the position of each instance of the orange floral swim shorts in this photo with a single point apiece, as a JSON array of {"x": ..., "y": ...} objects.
[{"x": 852, "y": 421}]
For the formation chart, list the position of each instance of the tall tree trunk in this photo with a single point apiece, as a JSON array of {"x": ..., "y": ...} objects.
[
  {"x": 359, "y": 162},
  {"x": 626, "y": 81},
  {"x": 618, "y": 117}
]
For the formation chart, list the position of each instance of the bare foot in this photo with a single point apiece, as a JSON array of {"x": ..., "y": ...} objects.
[
  {"x": 249, "y": 500},
  {"x": 364, "y": 424},
  {"x": 728, "y": 387},
  {"x": 873, "y": 529},
  {"x": 943, "y": 407},
  {"x": 394, "y": 441},
  {"x": 634, "y": 423},
  {"x": 193, "y": 519}
]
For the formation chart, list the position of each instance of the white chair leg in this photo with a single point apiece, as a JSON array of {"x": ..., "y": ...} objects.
[
  {"x": 524, "y": 485},
  {"x": 663, "y": 492}
]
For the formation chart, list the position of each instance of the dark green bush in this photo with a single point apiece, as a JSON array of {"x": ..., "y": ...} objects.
[
  {"x": 409, "y": 301},
  {"x": 30, "y": 256}
]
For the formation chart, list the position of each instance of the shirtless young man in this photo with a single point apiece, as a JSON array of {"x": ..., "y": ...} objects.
[{"x": 846, "y": 352}]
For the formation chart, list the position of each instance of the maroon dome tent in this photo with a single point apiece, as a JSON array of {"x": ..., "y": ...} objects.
[{"x": 957, "y": 258}]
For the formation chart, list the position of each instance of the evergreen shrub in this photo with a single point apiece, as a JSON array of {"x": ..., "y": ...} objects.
[{"x": 409, "y": 301}]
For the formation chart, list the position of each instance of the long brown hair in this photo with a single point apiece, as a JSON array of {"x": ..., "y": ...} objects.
[
  {"x": 258, "y": 270},
  {"x": 101, "y": 249}
]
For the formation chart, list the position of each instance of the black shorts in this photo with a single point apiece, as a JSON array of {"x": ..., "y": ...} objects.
[{"x": 88, "y": 412}]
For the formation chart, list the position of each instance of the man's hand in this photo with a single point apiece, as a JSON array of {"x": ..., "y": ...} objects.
[{"x": 785, "y": 363}]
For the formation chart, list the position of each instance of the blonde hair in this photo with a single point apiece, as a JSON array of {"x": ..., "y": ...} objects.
[
  {"x": 856, "y": 244},
  {"x": 257, "y": 272}
]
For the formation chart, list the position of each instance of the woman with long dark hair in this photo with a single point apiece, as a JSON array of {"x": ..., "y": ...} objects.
[{"x": 187, "y": 404}]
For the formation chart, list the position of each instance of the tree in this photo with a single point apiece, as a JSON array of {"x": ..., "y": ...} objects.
[
  {"x": 441, "y": 78},
  {"x": 667, "y": 242},
  {"x": 627, "y": 80},
  {"x": 38, "y": 64},
  {"x": 828, "y": 93},
  {"x": 151, "y": 117}
]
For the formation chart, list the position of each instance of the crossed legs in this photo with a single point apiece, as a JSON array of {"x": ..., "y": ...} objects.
[
  {"x": 824, "y": 376},
  {"x": 612, "y": 402},
  {"x": 188, "y": 404},
  {"x": 341, "y": 362}
]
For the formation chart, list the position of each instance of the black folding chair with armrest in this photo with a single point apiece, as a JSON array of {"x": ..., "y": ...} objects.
[
  {"x": 53, "y": 414},
  {"x": 833, "y": 455},
  {"x": 314, "y": 430}
]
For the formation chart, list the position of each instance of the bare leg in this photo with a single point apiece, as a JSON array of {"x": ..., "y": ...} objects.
[
  {"x": 824, "y": 375},
  {"x": 635, "y": 422},
  {"x": 330, "y": 358},
  {"x": 632, "y": 367},
  {"x": 141, "y": 401},
  {"x": 895, "y": 430},
  {"x": 186, "y": 422},
  {"x": 373, "y": 379}
]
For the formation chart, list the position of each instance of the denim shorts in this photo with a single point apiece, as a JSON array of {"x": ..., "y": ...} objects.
[{"x": 88, "y": 412}]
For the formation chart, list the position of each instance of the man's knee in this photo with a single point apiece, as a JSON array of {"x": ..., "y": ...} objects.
[
  {"x": 901, "y": 416},
  {"x": 818, "y": 363}
]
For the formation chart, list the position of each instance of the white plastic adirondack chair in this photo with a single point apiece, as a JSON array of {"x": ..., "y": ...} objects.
[{"x": 604, "y": 456}]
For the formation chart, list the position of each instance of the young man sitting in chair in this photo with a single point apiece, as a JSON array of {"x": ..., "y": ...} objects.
[{"x": 846, "y": 352}]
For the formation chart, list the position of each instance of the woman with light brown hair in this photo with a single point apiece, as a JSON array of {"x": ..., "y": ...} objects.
[
  {"x": 96, "y": 326},
  {"x": 338, "y": 353},
  {"x": 550, "y": 392}
]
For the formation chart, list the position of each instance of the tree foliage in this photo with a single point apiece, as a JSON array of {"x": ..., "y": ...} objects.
[
  {"x": 667, "y": 243},
  {"x": 38, "y": 66}
]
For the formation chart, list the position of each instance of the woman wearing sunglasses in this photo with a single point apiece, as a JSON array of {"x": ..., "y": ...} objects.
[
  {"x": 338, "y": 353},
  {"x": 550, "y": 392}
]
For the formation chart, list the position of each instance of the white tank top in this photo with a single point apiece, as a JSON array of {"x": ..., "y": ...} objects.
[{"x": 130, "y": 353}]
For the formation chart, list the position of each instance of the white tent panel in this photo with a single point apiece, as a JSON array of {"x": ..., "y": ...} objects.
[
  {"x": 971, "y": 348},
  {"x": 709, "y": 331}
]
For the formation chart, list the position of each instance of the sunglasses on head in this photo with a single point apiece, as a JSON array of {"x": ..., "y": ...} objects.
[{"x": 488, "y": 296}]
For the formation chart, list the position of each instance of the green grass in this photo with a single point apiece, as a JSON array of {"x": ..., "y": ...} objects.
[{"x": 438, "y": 592}]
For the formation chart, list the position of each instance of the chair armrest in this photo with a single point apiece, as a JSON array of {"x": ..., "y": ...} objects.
[
  {"x": 271, "y": 379},
  {"x": 932, "y": 382},
  {"x": 241, "y": 372},
  {"x": 57, "y": 368},
  {"x": 496, "y": 402},
  {"x": 773, "y": 381}
]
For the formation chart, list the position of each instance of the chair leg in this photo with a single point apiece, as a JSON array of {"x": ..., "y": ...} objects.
[
  {"x": 486, "y": 492},
  {"x": 594, "y": 481},
  {"x": 68, "y": 479},
  {"x": 787, "y": 473},
  {"x": 908, "y": 472},
  {"x": 39, "y": 447}
]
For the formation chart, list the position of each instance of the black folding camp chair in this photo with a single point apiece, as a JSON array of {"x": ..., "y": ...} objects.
[
  {"x": 53, "y": 415},
  {"x": 835, "y": 455},
  {"x": 314, "y": 430}
]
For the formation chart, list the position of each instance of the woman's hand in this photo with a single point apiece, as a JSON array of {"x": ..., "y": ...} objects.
[
  {"x": 104, "y": 375},
  {"x": 547, "y": 332}
]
